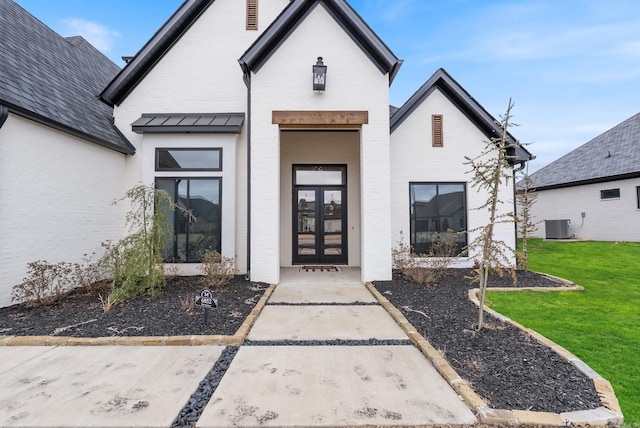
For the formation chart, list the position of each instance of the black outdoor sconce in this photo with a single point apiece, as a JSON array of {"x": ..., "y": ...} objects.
[{"x": 319, "y": 75}]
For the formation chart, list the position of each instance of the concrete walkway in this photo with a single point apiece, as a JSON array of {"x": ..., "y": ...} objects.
[{"x": 306, "y": 380}]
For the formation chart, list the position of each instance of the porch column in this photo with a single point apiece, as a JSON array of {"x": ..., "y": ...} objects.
[
  {"x": 265, "y": 199},
  {"x": 376, "y": 197}
]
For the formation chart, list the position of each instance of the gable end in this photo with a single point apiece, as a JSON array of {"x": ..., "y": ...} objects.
[
  {"x": 295, "y": 13},
  {"x": 465, "y": 103},
  {"x": 153, "y": 51}
]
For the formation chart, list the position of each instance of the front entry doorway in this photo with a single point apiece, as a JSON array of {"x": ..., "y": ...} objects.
[{"x": 320, "y": 214}]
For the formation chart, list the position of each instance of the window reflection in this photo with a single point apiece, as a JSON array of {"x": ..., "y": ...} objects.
[
  {"x": 188, "y": 159},
  {"x": 436, "y": 210},
  {"x": 190, "y": 234}
]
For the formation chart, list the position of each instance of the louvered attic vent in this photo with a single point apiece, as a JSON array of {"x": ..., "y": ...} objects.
[
  {"x": 252, "y": 14},
  {"x": 437, "y": 137}
]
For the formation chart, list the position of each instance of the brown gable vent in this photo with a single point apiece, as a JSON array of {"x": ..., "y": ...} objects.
[
  {"x": 252, "y": 14},
  {"x": 437, "y": 137}
]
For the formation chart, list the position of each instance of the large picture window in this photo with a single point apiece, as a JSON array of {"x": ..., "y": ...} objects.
[
  {"x": 190, "y": 236},
  {"x": 437, "y": 208}
]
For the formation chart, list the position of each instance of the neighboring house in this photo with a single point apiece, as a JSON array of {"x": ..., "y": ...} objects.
[
  {"x": 219, "y": 110},
  {"x": 596, "y": 187}
]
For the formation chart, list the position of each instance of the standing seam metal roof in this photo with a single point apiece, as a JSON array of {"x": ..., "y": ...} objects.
[
  {"x": 55, "y": 80},
  {"x": 230, "y": 123}
]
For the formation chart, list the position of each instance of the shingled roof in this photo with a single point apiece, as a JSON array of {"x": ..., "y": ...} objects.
[
  {"x": 55, "y": 80},
  {"x": 613, "y": 155}
]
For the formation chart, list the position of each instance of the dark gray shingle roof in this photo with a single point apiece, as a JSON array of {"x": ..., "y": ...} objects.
[
  {"x": 55, "y": 80},
  {"x": 613, "y": 155}
]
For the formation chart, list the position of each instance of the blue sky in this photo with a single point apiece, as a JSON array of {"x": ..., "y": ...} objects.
[{"x": 572, "y": 67}]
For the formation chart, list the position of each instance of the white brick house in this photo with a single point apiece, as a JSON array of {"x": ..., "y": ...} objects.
[
  {"x": 219, "y": 109},
  {"x": 592, "y": 192}
]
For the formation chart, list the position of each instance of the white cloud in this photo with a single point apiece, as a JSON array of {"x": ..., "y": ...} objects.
[
  {"x": 629, "y": 48},
  {"x": 97, "y": 34}
]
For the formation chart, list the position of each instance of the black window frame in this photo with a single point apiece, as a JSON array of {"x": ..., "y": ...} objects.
[
  {"x": 175, "y": 256},
  {"x": 608, "y": 194},
  {"x": 412, "y": 231},
  {"x": 190, "y": 149},
  {"x": 638, "y": 196}
]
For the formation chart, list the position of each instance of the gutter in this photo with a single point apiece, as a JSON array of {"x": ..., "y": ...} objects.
[{"x": 128, "y": 150}]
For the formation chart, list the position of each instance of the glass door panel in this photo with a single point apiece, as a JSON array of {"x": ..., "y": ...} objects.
[
  {"x": 306, "y": 218},
  {"x": 332, "y": 222},
  {"x": 320, "y": 229}
]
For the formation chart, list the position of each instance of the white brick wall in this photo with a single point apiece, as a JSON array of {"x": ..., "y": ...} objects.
[
  {"x": 57, "y": 193},
  {"x": 201, "y": 74},
  {"x": 227, "y": 142},
  {"x": 413, "y": 159},
  {"x": 605, "y": 220},
  {"x": 353, "y": 83}
]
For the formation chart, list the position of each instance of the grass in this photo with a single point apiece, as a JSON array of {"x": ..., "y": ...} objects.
[{"x": 601, "y": 325}]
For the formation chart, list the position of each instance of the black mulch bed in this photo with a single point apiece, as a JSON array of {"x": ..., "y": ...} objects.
[
  {"x": 80, "y": 314},
  {"x": 508, "y": 368},
  {"x": 505, "y": 366}
]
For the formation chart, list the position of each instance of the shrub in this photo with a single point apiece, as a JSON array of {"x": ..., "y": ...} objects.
[
  {"x": 45, "y": 282},
  {"x": 217, "y": 269},
  {"x": 135, "y": 263},
  {"x": 424, "y": 269}
]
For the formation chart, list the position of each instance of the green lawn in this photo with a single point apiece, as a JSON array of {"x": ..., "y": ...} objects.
[{"x": 600, "y": 325}]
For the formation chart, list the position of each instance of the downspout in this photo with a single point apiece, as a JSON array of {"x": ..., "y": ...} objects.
[
  {"x": 247, "y": 82},
  {"x": 515, "y": 203},
  {"x": 4, "y": 113}
]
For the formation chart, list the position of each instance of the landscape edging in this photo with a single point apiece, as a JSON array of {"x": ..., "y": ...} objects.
[
  {"x": 188, "y": 340},
  {"x": 609, "y": 414}
]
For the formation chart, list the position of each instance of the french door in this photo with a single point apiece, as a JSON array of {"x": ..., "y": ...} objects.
[{"x": 319, "y": 220}]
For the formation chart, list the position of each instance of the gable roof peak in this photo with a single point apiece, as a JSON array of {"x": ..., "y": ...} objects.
[
  {"x": 152, "y": 52},
  {"x": 468, "y": 105},
  {"x": 295, "y": 13}
]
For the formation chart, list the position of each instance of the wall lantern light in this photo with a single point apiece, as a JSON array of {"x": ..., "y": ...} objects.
[{"x": 319, "y": 75}]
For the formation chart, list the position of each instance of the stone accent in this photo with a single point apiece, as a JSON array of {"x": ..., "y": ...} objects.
[
  {"x": 539, "y": 418},
  {"x": 498, "y": 417}
]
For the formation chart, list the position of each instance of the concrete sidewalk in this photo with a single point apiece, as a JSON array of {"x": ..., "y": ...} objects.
[{"x": 354, "y": 384}]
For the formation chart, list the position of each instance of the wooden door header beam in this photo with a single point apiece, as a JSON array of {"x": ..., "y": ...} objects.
[{"x": 320, "y": 119}]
